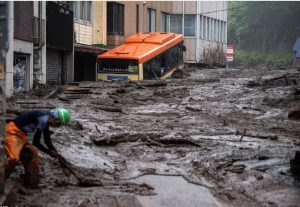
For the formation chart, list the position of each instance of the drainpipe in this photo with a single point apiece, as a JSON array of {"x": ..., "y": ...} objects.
[
  {"x": 197, "y": 31},
  {"x": 183, "y": 17},
  {"x": 40, "y": 32},
  {"x": 38, "y": 49}
]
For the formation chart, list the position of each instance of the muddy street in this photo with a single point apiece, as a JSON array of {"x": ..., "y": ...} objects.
[{"x": 219, "y": 137}]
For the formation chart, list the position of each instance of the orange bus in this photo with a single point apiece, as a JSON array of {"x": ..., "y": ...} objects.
[{"x": 143, "y": 56}]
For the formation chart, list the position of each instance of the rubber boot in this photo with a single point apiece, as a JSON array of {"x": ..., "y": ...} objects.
[{"x": 30, "y": 160}]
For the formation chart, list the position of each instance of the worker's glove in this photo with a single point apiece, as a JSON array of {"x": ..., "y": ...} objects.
[{"x": 53, "y": 153}]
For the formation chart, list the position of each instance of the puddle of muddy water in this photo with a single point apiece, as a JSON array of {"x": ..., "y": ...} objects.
[{"x": 174, "y": 191}]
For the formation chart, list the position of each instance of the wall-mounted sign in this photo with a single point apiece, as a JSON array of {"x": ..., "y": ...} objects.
[{"x": 229, "y": 52}]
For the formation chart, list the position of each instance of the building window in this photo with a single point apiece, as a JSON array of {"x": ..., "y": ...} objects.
[
  {"x": 216, "y": 30},
  {"x": 83, "y": 10},
  {"x": 201, "y": 27},
  {"x": 189, "y": 25},
  {"x": 115, "y": 18},
  {"x": 208, "y": 28},
  {"x": 165, "y": 22},
  {"x": 204, "y": 28},
  {"x": 137, "y": 18},
  {"x": 211, "y": 29},
  {"x": 176, "y": 23},
  {"x": 151, "y": 13}
]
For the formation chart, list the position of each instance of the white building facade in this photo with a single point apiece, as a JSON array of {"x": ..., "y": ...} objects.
[{"x": 204, "y": 26}]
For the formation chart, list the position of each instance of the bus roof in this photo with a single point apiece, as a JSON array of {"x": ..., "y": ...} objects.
[{"x": 143, "y": 46}]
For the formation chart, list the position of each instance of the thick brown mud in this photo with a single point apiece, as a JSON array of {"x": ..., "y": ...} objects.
[{"x": 224, "y": 133}]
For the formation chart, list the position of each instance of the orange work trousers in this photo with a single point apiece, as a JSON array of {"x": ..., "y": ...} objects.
[{"x": 18, "y": 149}]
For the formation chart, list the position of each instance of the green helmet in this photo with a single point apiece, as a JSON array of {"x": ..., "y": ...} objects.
[{"x": 62, "y": 114}]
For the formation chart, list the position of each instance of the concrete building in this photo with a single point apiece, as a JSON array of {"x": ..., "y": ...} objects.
[
  {"x": 45, "y": 48},
  {"x": 26, "y": 44},
  {"x": 128, "y": 18},
  {"x": 204, "y": 26},
  {"x": 59, "y": 43},
  {"x": 90, "y": 37}
]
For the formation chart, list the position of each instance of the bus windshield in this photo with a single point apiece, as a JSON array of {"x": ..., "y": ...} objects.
[{"x": 114, "y": 65}]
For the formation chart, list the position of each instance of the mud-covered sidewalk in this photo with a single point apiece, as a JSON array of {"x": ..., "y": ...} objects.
[{"x": 219, "y": 137}]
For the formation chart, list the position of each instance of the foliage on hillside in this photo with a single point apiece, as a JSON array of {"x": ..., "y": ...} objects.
[{"x": 265, "y": 27}]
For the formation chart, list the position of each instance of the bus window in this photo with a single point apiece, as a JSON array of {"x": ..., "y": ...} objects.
[
  {"x": 111, "y": 65},
  {"x": 156, "y": 67},
  {"x": 152, "y": 68}
]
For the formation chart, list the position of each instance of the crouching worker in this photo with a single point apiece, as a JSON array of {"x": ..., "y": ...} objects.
[{"x": 18, "y": 148}]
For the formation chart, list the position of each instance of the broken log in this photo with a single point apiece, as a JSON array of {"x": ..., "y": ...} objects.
[
  {"x": 277, "y": 78},
  {"x": 245, "y": 130},
  {"x": 294, "y": 113},
  {"x": 136, "y": 83},
  {"x": 109, "y": 108},
  {"x": 61, "y": 98},
  {"x": 194, "y": 109},
  {"x": 295, "y": 165},
  {"x": 155, "y": 139},
  {"x": 155, "y": 84},
  {"x": 53, "y": 93},
  {"x": 260, "y": 136}
]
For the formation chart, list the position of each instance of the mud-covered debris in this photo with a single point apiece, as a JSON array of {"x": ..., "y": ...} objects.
[
  {"x": 283, "y": 77},
  {"x": 294, "y": 113},
  {"x": 295, "y": 165},
  {"x": 192, "y": 108},
  {"x": 53, "y": 93},
  {"x": 181, "y": 73},
  {"x": 296, "y": 91},
  {"x": 77, "y": 90},
  {"x": 108, "y": 108},
  {"x": 150, "y": 138},
  {"x": 138, "y": 189},
  {"x": 236, "y": 168},
  {"x": 259, "y": 136},
  {"x": 263, "y": 157},
  {"x": 259, "y": 176},
  {"x": 154, "y": 84},
  {"x": 76, "y": 125},
  {"x": 125, "y": 137},
  {"x": 252, "y": 84},
  {"x": 121, "y": 91},
  {"x": 63, "y": 98}
]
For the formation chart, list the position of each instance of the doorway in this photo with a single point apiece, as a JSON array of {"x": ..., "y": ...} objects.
[{"x": 21, "y": 72}]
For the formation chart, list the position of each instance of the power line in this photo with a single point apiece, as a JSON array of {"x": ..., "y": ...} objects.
[{"x": 238, "y": 7}]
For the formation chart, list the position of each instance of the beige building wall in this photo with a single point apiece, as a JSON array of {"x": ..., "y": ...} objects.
[
  {"x": 84, "y": 33},
  {"x": 130, "y": 18},
  {"x": 94, "y": 32},
  {"x": 99, "y": 22}
]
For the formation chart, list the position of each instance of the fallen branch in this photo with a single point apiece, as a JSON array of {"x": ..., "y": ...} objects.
[
  {"x": 98, "y": 130},
  {"x": 260, "y": 136},
  {"x": 277, "y": 78},
  {"x": 136, "y": 83},
  {"x": 151, "y": 138},
  {"x": 64, "y": 99},
  {"x": 155, "y": 84},
  {"x": 243, "y": 135},
  {"x": 52, "y": 93},
  {"x": 109, "y": 108}
]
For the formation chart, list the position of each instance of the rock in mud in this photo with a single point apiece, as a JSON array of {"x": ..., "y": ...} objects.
[
  {"x": 294, "y": 113},
  {"x": 295, "y": 165},
  {"x": 236, "y": 168}
]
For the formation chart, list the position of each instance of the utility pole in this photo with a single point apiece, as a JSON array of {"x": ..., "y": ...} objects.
[{"x": 3, "y": 50}]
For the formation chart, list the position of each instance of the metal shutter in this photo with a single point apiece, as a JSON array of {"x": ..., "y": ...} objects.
[{"x": 54, "y": 66}]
